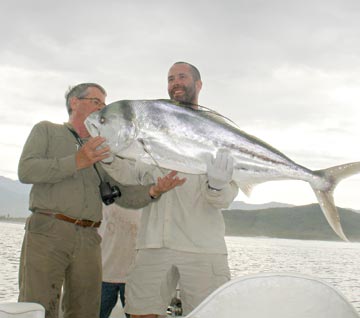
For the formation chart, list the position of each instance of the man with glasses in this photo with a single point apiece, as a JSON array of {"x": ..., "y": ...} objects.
[{"x": 61, "y": 247}]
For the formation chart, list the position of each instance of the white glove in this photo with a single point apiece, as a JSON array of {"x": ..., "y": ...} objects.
[{"x": 220, "y": 169}]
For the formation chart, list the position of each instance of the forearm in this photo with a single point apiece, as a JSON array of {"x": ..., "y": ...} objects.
[
  {"x": 38, "y": 170},
  {"x": 137, "y": 196},
  {"x": 134, "y": 196}
]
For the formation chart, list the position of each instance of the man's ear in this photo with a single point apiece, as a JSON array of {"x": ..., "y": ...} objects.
[
  {"x": 74, "y": 102},
  {"x": 198, "y": 85}
]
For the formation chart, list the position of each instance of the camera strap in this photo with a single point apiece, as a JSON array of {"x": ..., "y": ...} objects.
[
  {"x": 80, "y": 142},
  {"x": 77, "y": 137},
  {"x": 107, "y": 192}
]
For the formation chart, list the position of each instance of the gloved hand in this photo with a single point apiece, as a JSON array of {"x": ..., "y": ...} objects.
[{"x": 220, "y": 169}]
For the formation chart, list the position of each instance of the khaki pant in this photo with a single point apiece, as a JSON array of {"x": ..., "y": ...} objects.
[
  {"x": 157, "y": 271},
  {"x": 58, "y": 254}
]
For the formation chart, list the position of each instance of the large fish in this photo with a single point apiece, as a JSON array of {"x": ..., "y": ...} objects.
[{"x": 179, "y": 137}]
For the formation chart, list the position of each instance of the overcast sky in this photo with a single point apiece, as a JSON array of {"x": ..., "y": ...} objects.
[{"x": 285, "y": 71}]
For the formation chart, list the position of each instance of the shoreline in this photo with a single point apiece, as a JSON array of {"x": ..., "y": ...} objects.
[{"x": 12, "y": 220}]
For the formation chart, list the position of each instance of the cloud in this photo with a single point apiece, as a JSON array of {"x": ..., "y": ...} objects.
[{"x": 283, "y": 70}]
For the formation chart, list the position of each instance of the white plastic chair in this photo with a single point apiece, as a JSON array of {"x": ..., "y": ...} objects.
[
  {"x": 275, "y": 295},
  {"x": 21, "y": 310}
]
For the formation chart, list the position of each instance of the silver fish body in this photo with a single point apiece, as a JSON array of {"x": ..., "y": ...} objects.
[{"x": 178, "y": 137}]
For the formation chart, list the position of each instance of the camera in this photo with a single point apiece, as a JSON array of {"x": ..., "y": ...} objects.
[{"x": 108, "y": 193}]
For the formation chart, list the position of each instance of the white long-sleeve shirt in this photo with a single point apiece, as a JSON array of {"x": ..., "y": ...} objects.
[{"x": 187, "y": 218}]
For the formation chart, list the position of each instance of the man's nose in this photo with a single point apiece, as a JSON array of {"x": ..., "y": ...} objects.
[{"x": 175, "y": 83}]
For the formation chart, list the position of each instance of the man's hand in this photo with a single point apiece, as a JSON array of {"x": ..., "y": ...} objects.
[
  {"x": 220, "y": 169},
  {"x": 91, "y": 152},
  {"x": 165, "y": 184}
]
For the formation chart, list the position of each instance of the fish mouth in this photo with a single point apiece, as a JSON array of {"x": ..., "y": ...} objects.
[
  {"x": 94, "y": 128},
  {"x": 91, "y": 125}
]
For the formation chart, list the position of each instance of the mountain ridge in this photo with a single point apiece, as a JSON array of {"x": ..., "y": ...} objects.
[{"x": 306, "y": 222}]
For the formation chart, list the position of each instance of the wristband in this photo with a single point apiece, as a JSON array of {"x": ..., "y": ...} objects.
[{"x": 213, "y": 189}]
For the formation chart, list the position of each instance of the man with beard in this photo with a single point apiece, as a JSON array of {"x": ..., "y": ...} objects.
[{"x": 181, "y": 236}]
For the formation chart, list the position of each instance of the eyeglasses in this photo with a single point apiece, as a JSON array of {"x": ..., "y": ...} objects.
[{"x": 94, "y": 100}]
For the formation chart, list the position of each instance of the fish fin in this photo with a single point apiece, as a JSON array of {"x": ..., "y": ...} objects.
[
  {"x": 147, "y": 150},
  {"x": 327, "y": 205},
  {"x": 246, "y": 188},
  {"x": 333, "y": 176}
]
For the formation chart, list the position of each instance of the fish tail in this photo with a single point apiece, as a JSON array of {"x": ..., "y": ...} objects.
[{"x": 333, "y": 176}]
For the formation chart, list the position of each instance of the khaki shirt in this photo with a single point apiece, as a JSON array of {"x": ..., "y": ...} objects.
[
  {"x": 48, "y": 162},
  {"x": 187, "y": 218}
]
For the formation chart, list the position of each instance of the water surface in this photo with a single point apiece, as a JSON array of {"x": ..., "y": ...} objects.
[{"x": 337, "y": 263}]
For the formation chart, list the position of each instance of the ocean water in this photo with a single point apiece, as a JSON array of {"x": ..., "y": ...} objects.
[
  {"x": 11, "y": 235},
  {"x": 337, "y": 263}
]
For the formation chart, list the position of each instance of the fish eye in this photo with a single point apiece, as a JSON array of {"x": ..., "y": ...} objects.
[{"x": 102, "y": 120}]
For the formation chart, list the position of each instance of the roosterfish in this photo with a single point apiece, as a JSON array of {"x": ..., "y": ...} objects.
[{"x": 180, "y": 137}]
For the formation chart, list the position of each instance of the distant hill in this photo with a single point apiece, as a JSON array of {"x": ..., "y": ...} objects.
[
  {"x": 14, "y": 198},
  {"x": 239, "y": 205},
  {"x": 298, "y": 222}
]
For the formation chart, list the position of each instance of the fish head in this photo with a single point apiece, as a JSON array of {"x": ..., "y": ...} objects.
[{"x": 115, "y": 123}]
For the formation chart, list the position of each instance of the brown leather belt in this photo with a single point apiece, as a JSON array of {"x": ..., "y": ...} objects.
[{"x": 83, "y": 223}]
